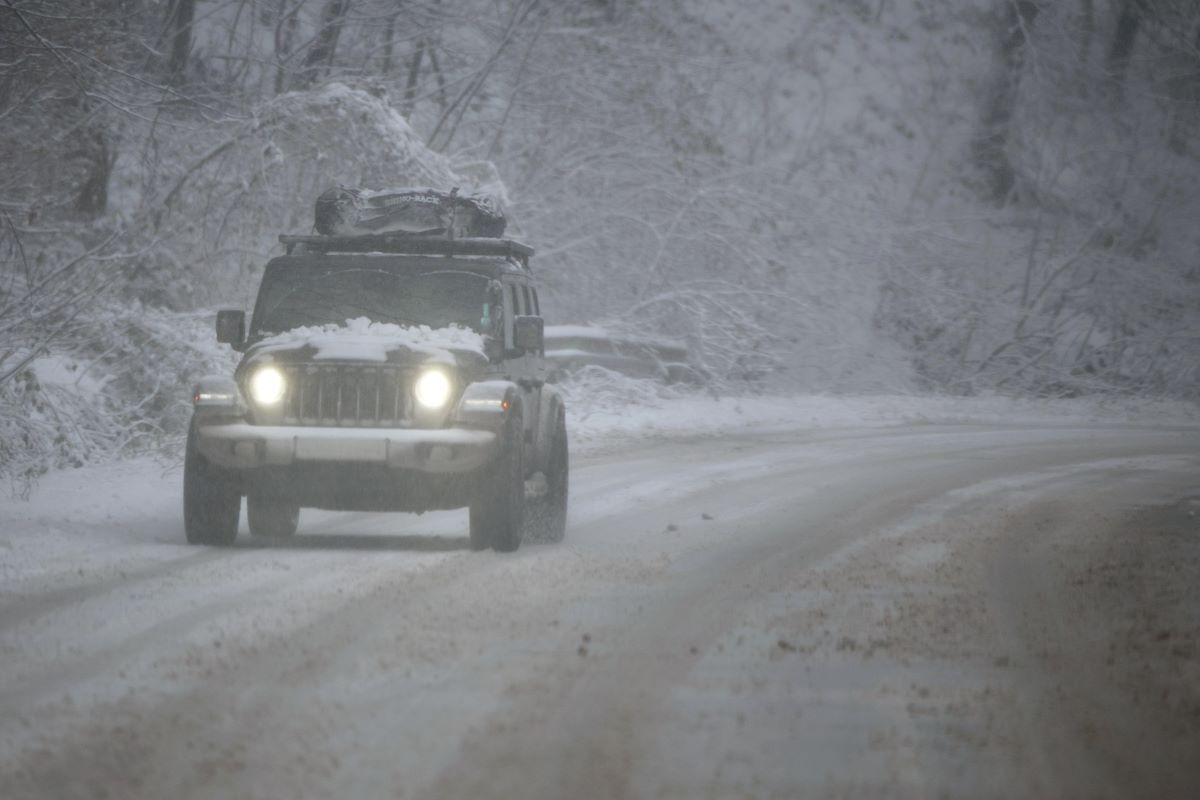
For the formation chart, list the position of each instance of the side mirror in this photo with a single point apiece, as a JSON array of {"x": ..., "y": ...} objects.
[
  {"x": 231, "y": 327},
  {"x": 528, "y": 334}
]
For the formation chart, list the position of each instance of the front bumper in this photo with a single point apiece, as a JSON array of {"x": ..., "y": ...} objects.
[{"x": 439, "y": 451}]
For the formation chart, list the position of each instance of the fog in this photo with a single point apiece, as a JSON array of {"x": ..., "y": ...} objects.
[
  {"x": 827, "y": 280},
  {"x": 886, "y": 196}
]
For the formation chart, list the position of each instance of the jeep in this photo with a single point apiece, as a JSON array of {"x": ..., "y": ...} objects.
[{"x": 383, "y": 373}]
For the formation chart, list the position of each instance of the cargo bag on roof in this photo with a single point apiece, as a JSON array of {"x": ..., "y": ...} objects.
[{"x": 355, "y": 212}]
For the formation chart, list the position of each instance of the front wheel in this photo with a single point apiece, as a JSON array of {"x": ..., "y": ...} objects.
[
  {"x": 212, "y": 499},
  {"x": 549, "y": 516},
  {"x": 498, "y": 510}
]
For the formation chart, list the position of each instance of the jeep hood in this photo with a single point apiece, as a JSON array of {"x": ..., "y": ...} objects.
[{"x": 363, "y": 341}]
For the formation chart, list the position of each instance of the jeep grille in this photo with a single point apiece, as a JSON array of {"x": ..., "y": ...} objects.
[{"x": 350, "y": 395}]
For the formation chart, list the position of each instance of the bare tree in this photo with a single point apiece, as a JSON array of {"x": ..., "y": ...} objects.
[
  {"x": 389, "y": 41},
  {"x": 180, "y": 15},
  {"x": 1087, "y": 28},
  {"x": 991, "y": 141},
  {"x": 286, "y": 25},
  {"x": 1129, "y": 22},
  {"x": 321, "y": 52}
]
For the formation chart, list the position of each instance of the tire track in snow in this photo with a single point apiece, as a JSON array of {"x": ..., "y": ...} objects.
[
  {"x": 18, "y": 607},
  {"x": 594, "y": 733},
  {"x": 464, "y": 665}
]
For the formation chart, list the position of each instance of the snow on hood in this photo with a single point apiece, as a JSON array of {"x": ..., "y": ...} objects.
[{"x": 361, "y": 339}]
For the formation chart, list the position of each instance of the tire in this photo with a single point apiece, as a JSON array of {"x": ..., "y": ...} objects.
[
  {"x": 549, "y": 517},
  {"x": 271, "y": 519},
  {"x": 212, "y": 499},
  {"x": 498, "y": 510}
]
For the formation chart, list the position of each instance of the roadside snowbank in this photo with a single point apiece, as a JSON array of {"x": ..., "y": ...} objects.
[{"x": 613, "y": 410}]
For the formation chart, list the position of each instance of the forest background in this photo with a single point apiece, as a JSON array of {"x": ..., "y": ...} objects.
[{"x": 950, "y": 196}]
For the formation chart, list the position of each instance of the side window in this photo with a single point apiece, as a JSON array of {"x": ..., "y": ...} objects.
[
  {"x": 529, "y": 308},
  {"x": 516, "y": 300},
  {"x": 537, "y": 307}
]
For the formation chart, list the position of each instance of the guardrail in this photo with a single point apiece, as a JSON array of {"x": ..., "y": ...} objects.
[{"x": 569, "y": 347}]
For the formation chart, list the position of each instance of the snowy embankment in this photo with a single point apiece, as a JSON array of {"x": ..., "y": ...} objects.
[{"x": 608, "y": 410}]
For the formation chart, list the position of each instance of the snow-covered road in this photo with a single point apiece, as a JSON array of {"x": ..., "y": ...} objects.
[{"x": 902, "y": 611}]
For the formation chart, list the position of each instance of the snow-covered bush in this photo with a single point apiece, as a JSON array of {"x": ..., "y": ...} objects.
[
  {"x": 120, "y": 383},
  {"x": 113, "y": 297},
  {"x": 592, "y": 388},
  {"x": 221, "y": 208}
]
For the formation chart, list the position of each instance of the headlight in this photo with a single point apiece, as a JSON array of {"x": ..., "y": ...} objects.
[
  {"x": 266, "y": 386},
  {"x": 432, "y": 389}
]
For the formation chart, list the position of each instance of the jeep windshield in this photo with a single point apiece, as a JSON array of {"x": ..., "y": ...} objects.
[{"x": 435, "y": 298}]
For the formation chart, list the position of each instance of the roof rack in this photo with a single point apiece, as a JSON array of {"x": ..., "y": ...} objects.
[{"x": 407, "y": 244}]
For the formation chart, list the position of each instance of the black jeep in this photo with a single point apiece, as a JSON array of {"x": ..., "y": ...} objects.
[{"x": 383, "y": 373}]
